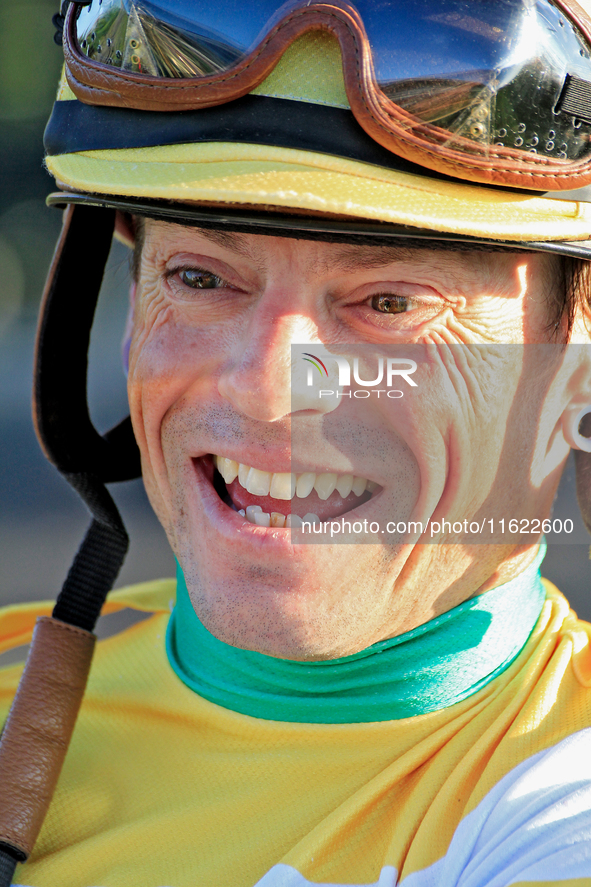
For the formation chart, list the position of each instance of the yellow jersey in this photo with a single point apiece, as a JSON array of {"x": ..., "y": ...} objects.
[{"x": 163, "y": 787}]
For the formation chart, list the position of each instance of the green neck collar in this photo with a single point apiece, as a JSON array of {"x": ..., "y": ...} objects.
[{"x": 431, "y": 667}]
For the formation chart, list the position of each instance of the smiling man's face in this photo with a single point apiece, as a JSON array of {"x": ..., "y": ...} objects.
[{"x": 210, "y": 365}]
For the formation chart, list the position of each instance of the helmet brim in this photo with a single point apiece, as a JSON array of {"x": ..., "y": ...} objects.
[
  {"x": 230, "y": 175},
  {"x": 269, "y": 221}
]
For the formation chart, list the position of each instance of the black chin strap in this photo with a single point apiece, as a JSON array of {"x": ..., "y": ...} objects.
[
  {"x": 99, "y": 558},
  {"x": 65, "y": 431},
  {"x": 69, "y": 439}
]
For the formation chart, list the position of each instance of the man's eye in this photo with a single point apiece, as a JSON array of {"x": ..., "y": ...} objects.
[
  {"x": 392, "y": 304},
  {"x": 200, "y": 280}
]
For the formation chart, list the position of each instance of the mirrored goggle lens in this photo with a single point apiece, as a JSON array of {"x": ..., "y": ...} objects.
[
  {"x": 496, "y": 73},
  {"x": 171, "y": 38},
  {"x": 492, "y": 73}
]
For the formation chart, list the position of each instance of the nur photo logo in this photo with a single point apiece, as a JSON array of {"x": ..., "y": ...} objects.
[{"x": 389, "y": 371}]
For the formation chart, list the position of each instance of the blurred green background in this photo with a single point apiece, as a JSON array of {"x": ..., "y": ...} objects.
[
  {"x": 29, "y": 69},
  {"x": 41, "y": 520}
]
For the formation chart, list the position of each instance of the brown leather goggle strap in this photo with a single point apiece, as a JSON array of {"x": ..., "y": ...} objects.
[
  {"x": 39, "y": 728},
  {"x": 396, "y": 130}
]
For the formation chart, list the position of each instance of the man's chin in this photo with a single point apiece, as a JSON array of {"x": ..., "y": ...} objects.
[{"x": 323, "y": 605}]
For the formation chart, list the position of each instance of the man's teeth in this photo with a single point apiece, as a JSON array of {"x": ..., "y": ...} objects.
[
  {"x": 285, "y": 486},
  {"x": 255, "y": 515}
]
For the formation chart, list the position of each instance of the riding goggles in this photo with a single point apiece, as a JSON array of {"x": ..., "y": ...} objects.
[{"x": 492, "y": 91}]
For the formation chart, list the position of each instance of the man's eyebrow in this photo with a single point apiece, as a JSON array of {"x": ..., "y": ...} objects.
[
  {"x": 359, "y": 256},
  {"x": 348, "y": 257},
  {"x": 362, "y": 256},
  {"x": 229, "y": 239}
]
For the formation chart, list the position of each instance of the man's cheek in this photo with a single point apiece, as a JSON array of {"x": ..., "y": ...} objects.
[
  {"x": 472, "y": 387},
  {"x": 162, "y": 466},
  {"x": 151, "y": 392},
  {"x": 161, "y": 368},
  {"x": 454, "y": 421}
]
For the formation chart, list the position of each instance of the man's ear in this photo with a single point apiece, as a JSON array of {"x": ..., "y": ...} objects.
[{"x": 125, "y": 229}]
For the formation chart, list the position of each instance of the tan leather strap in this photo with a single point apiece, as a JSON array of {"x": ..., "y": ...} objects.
[{"x": 37, "y": 732}]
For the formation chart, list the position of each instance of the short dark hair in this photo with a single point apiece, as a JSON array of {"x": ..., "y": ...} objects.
[
  {"x": 572, "y": 290},
  {"x": 139, "y": 234}
]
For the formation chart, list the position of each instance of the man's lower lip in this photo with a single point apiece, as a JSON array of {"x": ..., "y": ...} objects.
[{"x": 231, "y": 525}]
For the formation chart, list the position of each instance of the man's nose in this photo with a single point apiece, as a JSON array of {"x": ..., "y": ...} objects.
[{"x": 257, "y": 378}]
